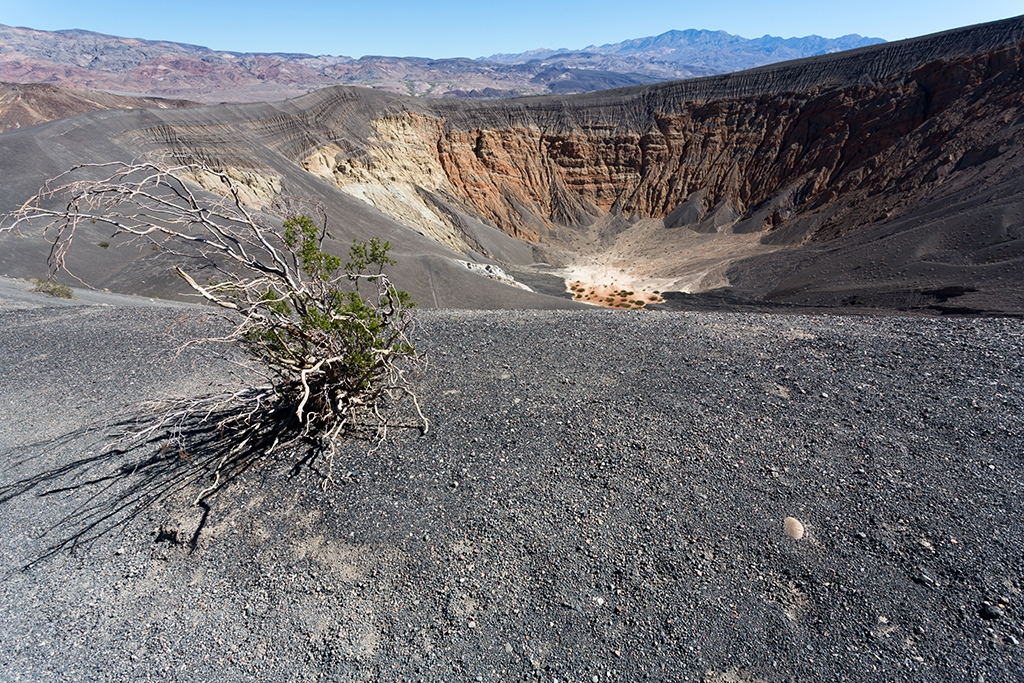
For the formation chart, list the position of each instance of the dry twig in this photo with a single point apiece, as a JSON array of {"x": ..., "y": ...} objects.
[{"x": 299, "y": 312}]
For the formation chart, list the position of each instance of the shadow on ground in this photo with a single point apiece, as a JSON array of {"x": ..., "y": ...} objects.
[{"x": 131, "y": 464}]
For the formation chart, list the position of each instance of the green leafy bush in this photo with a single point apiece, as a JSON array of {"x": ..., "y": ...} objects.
[{"x": 331, "y": 347}]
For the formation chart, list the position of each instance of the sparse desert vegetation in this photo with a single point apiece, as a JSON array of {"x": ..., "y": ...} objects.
[
  {"x": 327, "y": 338},
  {"x": 52, "y": 287},
  {"x": 612, "y": 296}
]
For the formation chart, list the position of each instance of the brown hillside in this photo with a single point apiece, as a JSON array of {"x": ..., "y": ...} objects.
[{"x": 26, "y": 104}]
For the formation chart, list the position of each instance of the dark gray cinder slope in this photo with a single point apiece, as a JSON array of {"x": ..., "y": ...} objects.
[
  {"x": 600, "y": 495},
  {"x": 262, "y": 139}
]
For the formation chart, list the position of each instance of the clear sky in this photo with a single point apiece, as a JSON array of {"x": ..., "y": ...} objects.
[{"x": 475, "y": 28}]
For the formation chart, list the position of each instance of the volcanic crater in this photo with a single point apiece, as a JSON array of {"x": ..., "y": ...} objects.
[
  {"x": 883, "y": 178},
  {"x": 604, "y": 495}
]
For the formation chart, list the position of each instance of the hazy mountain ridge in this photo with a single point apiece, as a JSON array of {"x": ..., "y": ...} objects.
[
  {"x": 693, "y": 52},
  {"x": 679, "y": 42},
  {"x": 85, "y": 59}
]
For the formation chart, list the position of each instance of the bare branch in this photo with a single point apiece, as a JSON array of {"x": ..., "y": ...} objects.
[{"x": 331, "y": 351}]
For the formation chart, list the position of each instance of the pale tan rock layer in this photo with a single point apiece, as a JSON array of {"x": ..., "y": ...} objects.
[
  {"x": 401, "y": 159},
  {"x": 675, "y": 187},
  {"x": 744, "y": 164}
]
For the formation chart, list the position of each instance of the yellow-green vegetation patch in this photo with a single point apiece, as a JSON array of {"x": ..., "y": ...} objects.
[
  {"x": 52, "y": 288},
  {"x": 611, "y": 297}
]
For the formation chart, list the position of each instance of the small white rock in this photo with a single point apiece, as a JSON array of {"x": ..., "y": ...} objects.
[{"x": 794, "y": 529}]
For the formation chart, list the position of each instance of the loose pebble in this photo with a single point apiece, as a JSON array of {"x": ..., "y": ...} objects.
[
  {"x": 794, "y": 529},
  {"x": 990, "y": 611}
]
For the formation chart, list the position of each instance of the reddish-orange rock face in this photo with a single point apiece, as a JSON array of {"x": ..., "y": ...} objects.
[
  {"x": 810, "y": 146},
  {"x": 901, "y": 162}
]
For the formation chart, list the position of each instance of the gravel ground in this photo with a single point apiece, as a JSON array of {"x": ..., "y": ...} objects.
[{"x": 601, "y": 497}]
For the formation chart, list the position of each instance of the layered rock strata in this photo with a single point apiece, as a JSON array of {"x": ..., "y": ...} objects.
[
  {"x": 801, "y": 153},
  {"x": 682, "y": 183}
]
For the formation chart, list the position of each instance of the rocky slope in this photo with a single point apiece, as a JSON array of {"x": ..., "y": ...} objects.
[
  {"x": 888, "y": 176},
  {"x": 85, "y": 59},
  {"x": 600, "y": 496},
  {"x": 26, "y": 104}
]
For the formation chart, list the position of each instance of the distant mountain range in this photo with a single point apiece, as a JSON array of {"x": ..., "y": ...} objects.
[
  {"x": 85, "y": 59},
  {"x": 693, "y": 50}
]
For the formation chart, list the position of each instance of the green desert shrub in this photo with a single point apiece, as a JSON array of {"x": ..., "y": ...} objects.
[
  {"x": 331, "y": 345},
  {"x": 328, "y": 339},
  {"x": 52, "y": 287}
]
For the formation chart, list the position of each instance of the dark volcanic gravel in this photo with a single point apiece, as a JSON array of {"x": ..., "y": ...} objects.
[{"x": 600, "y": 497}]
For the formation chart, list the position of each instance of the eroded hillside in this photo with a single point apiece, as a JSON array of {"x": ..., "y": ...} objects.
[
  {"x": 799, "y": 155},
  {"x": 26, "y": 104},
  {"x": 874, "y": 177}
]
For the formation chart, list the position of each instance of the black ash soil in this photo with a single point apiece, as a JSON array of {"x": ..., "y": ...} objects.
[{"x": 601, "y": 496}]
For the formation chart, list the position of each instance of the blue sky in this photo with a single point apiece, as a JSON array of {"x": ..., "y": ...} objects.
[{"x": 474, "y": 28}]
